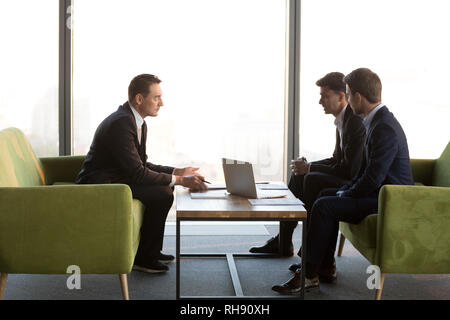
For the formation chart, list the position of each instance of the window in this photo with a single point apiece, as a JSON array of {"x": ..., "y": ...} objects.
[
  {"x": 403, "y": 42},
  {"x": 222, "y": 66},
  {"x": 29, "y": 71}
]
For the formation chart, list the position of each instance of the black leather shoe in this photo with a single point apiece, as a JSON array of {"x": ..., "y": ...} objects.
[
  {"x": 326, "y": 275},
  {"x": 295, "y": 266},
  {"x": 152, "y": 267},
  {"x": 165, "y": 258},
  {"x": 293, "y": 285},
  {"x": 271, "y": 246}
]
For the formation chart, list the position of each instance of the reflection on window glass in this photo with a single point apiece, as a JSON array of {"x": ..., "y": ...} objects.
[
  {"x": 222, "y": 67},
  {"x": 402, "y": 41},
  {"x": 29, "y": 71}
]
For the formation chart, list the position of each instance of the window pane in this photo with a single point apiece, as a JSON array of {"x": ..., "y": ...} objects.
[
  {"x": 403, "y": 41},
  {"x": 29, "y": 71},
  {"x": 222, "y": 65}
]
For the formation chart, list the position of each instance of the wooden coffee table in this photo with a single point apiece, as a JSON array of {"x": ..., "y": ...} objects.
[{"x": 233, "y": 208}]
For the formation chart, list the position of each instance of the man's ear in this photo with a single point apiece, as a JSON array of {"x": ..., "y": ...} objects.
[
  {"x": 139, "y": 99},
  {"x": 360, "y": 97},
  {"x": 342, "y": 96}
]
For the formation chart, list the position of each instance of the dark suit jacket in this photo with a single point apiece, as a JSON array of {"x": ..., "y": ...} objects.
[
  {"x": 345, "y": 163},
  {"x": 115, "y": 155},
  {"x": 385, "y": 158}
]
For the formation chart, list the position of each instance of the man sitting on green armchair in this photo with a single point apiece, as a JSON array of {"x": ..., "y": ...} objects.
[
  {"x": 385, "y": 161},
  {"x": 118, "y": 155}
]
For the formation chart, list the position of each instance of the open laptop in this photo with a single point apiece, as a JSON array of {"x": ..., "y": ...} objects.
[{"x": 240, "y": 181}]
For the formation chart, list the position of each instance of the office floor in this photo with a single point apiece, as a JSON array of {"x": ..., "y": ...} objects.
[{"x": 211, "y": 276}]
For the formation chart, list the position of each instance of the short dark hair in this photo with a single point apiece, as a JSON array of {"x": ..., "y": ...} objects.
[
  {"x": 333, "y": 81},
  {"x": 366, "y": 83},
  {"x": 140, "y": 84}
]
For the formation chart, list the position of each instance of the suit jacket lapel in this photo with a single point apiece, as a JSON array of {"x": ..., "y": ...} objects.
[
  {"x": 347, "y": 115},
  {"x": 373, "y": 123}
]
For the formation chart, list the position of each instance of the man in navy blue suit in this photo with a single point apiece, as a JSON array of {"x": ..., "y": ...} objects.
[{"x": 385, "y": 161}]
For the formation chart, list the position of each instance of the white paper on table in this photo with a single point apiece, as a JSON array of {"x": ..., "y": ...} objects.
[
  {"x": 272, "y": 186},
  {"x": 210, "y": 194}
]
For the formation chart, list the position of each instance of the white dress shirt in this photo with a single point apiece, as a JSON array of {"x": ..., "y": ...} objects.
[
  {"x": 339, "y": 123},
  {"x": 139, "y": 123}
]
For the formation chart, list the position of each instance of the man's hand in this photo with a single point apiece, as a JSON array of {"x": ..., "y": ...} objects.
[
  {"x": 300, "y": 166},
  {"x": 188, "y": 171},
  {"x": 193, "y": 182}
]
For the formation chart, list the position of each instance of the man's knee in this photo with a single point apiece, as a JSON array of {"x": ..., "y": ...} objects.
[
  {"x": 321, "y": 207},
  {"x": 153, "y": 195},
  {"x": 296, "y": 185},
  {"x": 313, "y": 180}
]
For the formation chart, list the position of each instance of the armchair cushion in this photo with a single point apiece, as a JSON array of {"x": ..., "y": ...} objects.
[{"x": 61, "y": 170}]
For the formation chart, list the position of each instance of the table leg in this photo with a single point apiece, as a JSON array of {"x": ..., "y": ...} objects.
[
  {"x": 304, "y": 228},
  {"x": 282, "y": 240}
]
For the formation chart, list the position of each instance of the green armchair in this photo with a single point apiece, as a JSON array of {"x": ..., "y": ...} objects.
[
  {"x": 47, "y": 223},
  {"x": 410, "y": 233}
]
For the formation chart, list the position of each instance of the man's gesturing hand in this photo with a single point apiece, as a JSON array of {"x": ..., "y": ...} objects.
[{"x": 188, "y": 171}]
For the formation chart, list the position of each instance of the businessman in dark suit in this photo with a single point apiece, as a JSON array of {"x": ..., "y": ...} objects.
[
  {"x": 118, "y": 155},
  {"x": 309, "y": 179},
  {"x": 385, "y": 161}
]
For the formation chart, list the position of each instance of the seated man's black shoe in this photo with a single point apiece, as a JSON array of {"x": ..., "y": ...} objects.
[
  {"x": 151, "y": 267},
  {"x": 326, "y": 275},
  {"x": 271, "y": 246},
  {"x": 295, "y": 266},
  {"x": 293, "y": 285},
  {"x": 165, "y": 258}
]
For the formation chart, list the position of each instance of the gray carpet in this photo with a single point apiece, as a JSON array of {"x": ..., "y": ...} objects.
[
  {"x": 211, "y": 277},
  {"x": 206, "y": 229}
]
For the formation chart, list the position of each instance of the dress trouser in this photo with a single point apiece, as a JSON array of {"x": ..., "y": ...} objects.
[
  {"x": 307, "y": 188},
  {"x": 324, "y": 218},
  {"x": 157, "y": 201}
]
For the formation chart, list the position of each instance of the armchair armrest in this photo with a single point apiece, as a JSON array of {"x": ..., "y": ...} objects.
[
  {"x": 45, "y": 229},
  {"x": 412, "y": 230},
  {"x": 62, "y": 169},
  {"x": 422, "y": 170}
]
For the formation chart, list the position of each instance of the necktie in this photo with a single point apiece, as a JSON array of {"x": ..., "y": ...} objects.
[{"x": 143, "y": 133}]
